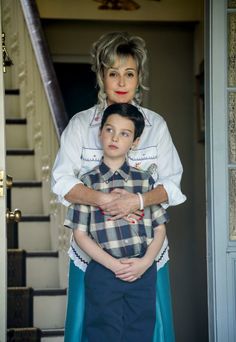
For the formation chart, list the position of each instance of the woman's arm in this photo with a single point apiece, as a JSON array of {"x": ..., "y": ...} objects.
[
  {"x": 127, "y": 202},
  {"x": 137, "y": 266},
  {"x": 169, "y": 166},
  {"x": 81, "y": 194},
  {"x": 157, "y": 195},
  {"x": 97, "y": 253}
]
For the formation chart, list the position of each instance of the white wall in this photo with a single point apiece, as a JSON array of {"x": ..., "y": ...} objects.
[{"x": 172, "y": 94}]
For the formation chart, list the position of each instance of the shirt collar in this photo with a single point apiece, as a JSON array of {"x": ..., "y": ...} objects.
[
  {"x": 97, "y": 116},
  {"x": 107, "y": 174},
  {"x": 98, "y": 112}
]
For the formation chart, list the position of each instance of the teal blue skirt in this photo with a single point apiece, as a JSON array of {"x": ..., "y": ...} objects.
[{"x": 74, "y": 332}]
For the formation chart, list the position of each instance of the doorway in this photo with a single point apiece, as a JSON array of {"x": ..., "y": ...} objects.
[{"x": 172, "y": 95}]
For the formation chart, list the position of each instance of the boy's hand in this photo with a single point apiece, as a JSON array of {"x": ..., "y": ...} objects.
[
  {"x": 117, "y": 266},
  {"x": 136, "y": 268}
]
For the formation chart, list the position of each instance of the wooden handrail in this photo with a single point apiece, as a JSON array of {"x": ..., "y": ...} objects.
[{"x": 45, "y": 65}]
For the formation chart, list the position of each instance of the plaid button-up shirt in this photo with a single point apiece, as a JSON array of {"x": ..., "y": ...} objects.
[{"x": 118, "y": 238}]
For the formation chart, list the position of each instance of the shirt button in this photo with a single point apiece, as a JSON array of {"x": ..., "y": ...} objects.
[{"x": 116, "y": 173}]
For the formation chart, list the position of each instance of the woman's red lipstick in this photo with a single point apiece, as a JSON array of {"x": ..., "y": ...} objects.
[{"x": 121, "y": 92}]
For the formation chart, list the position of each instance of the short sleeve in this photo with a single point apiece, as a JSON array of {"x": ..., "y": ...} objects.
[
  {"x": 78, "y": 217},
  {"x": 159, "y": 215}
]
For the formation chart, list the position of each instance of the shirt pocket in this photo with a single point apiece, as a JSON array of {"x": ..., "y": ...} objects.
[
  {"x": 145, "y": 159},
  {"x": 90, "y": 157}
]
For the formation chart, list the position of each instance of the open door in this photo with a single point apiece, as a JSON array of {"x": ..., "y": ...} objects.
[
  {"x": 3, "y": 238},
  {"x": 221, "y": 168}
]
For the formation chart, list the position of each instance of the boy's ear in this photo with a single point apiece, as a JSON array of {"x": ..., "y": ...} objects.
[{"x": 135, "y": 143}]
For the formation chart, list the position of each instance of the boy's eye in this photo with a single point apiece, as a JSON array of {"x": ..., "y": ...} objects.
[
  {"x": 108, "y": 129},
  {"x": 125, "y": 134}
]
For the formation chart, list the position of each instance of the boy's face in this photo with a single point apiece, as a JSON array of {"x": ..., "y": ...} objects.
[{"x": 117, "y": 136}]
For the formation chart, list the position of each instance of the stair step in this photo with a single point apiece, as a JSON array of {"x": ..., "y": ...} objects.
[
  {"x": 44, "y": 309},
  {"x": 35, "y": 335},
  {"x": 12, "y": 103},
  {"x": 24, "y": 335},
  {"x": 49, "y": 308},
  {"x": 35, "y": 218},
  {"x": 12, "y": 91},
  {"x": 19, "y": 307},
  {"x": 27, "y": 184},
  {"x": 20, "y": 164},
  {"x": 12, "y": 234},
  {"x": 42, "y": 270},
  {"x": 27, "y": 196},
  {"x": 23, "y": 269},
  {"x": 20, "y": 152},
  {"x": 16, "y": 270},
  {"x": 16, "y": 134},
  {"x": 34, "y": 233},
  {"x": 16, "y": 121},
  {"x": 52, "y": 335}
]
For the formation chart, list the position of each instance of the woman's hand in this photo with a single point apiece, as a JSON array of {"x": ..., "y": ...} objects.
[
  {"x": 137, "y": 267},
  {"x": 106, "y": 198},
  {"x": 123, "y": 204}
]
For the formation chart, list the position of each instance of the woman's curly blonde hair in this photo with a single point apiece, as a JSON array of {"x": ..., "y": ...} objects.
[{"x": 118, "y": 44}]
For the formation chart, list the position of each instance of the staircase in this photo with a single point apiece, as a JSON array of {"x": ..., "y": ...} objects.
[{"x": 36, "y": 303}]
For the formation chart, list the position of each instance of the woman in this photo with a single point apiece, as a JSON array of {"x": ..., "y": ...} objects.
[{"x": 119, "y": 62}]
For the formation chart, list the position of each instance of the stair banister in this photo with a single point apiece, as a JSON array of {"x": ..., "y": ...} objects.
[{"x": 45, "y": 65}]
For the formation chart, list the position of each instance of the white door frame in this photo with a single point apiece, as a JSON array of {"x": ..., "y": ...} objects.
[
  {"x": 217, "y": 170},
  {"x": 3, "y": 235}
]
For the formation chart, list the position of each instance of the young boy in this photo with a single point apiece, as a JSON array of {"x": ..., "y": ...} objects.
[{"x": 120, "y": 281}]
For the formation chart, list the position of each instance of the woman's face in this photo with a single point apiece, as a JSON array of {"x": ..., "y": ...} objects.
[{"x": 121, "y": 80}]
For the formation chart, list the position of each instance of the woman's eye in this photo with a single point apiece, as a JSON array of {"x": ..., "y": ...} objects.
[
  {"x": 130, "y": 75},
  {"x": 112, "y": 74}
]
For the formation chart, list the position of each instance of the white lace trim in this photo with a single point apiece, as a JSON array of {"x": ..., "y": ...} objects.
[
  {"x": 81, "y": 259},
  {"x": 163, "y": 255}
]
